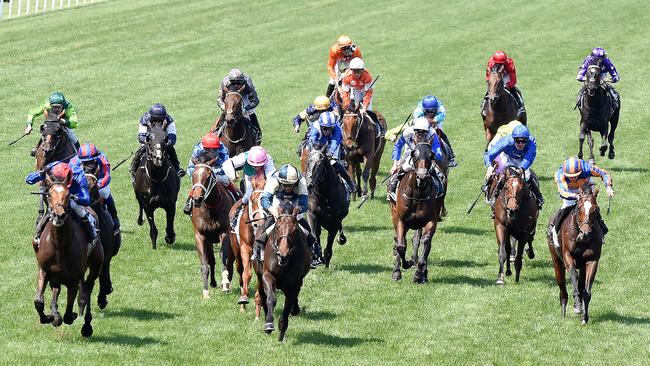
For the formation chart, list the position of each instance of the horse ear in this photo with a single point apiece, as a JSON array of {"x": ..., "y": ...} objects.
[{"x": 596, "y": 191}]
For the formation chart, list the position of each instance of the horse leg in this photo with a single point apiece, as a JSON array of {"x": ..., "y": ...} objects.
[
  {"x": 170, "y": 235},
  {"x": 140, "y": 211},
  {"x": 590, "y": 275},
  {"x": 290, "y": 298},
  {"x": 366, "y": 175},
  {"x": 603, "y": 143},
  {"x": 70, "y": 316},
  {"x": 209, "y": 254},
  {"x": 268, "y": 281},
  {"x": 201, "y": 245},
  {"x": 373, "y": 176},
  {"x": 416, "y": 244},
  {"x": 39, "y": 303},
  {"x": 400, "y": 245},
  {"x": 54, "y": 305},
  {"x": 577, "y": 298},
  {"x": 590, "y": 142},
  {"x": 95, "y": 260},
  {"x": 105, "y": 287},
  {"x": 422, "y": 272},
  {"x": 358, "y": 180},
  {"x": 331, "y": 235},
  {"x": 581, "y": 138},
  {"x": 503, "y": 255},
  {"x": 560, "y": 272},
  {"x": 509, "y": 255},
  {"x": 613, "y": 123},
  {"x": 227, "y": 263},
  {"x": 519, "y": 258},
  {"x": 153, "y": 230},
  {"x": 342, "y": 238}
]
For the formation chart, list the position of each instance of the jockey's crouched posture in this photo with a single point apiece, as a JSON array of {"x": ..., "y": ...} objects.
[
  {"x": 57, "y": 104},
  {"x": 599, "y": 57},
  {"x": 79, "y": 196},
  {"x": 285, "y": 184}
]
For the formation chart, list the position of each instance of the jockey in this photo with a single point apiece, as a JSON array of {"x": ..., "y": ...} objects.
[
  {"x": 157, "y": 114},
  {"x": 235, "y": 80},
  {"x": 310, "y": 114},
  {"x": 78, "y": 193},
  {"x": 57, "y": 103},
  {"x": 88, "y": 156},
  {"x": 599, "y": 57},
  {"x": 285, "y": 183},
  {"x": 570, "y": 177},
  {"x": 510, "y": 78},
  {"x": 504, "y": 131},
  {"x": 327, "y": 132},
  {"x": 209, "y": 151},
  {"x": 519, "y": 150},
  {"x": 356, "y": 89},
  {"x": 433, "y": 109},
  {"x": 252, "y": 162},
  {"x": 421, "y": 131},
  {"x": 339, "y": 61}
]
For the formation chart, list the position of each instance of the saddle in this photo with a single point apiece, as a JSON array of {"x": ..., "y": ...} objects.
[{"x": 612, "y": 94}]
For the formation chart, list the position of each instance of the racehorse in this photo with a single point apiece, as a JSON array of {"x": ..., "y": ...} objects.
[
  {"x": 243, "y": 237},
  {"x": 236, "y": 135},
  {"x": 499, "y": 106},
  {"x": 55, "y": 145},
  {"x": 212, "y": 202},
  {"x": 515, "y": 218},
  {"x": 362, "y": 146},
  {"x": 156, "y": 185},
  {"x": 418, "y": 206},
  {"x": 62, "y": 257},
  {"x": 596, "y": 110},
  {"x": 580, "y": 240},
  {"x": 328, "y": 203},
  {"x": 286, "y": 263},
  {"x": 111, "y": 240}
]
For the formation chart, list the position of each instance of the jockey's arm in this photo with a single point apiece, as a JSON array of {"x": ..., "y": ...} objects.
[
  {"x": 80, "y": 187},
  {"x": 195, "y": 155},
  {"x": 335, "y": 142},
  {"x": 512, "y": 73},
  {"x": 143, "y": 130},
  {"x": 563, "y": 187},
  {"x": 441, "y": 114},
  {"x": 253, "y": 100},
  {"x": 609, "y": 66},
  {"x": 104, "y": 171},
  {"x": 602, "y": 174},
  {"x": 436, "y": 149},
  {"x": 37, "y": 111},
  {"x": 493, "y": 152},
  {"x": 300, "y": 117},
  {"x": 234, "y": 163},
  {"x": 331, "y": 62},
  {"x": 582, "y": 70},
  {"x": 71, "y": 116},
  {"x": 171, "y": 132},
  {"x": 529, "y": 156}
]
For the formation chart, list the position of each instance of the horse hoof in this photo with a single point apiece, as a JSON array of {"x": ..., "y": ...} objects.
[
  {"x": 57, "y": 321},
  {"x": 243, "y": 300},
  {"x": 342, "y": 239},
  {"x": 170, "y": 239},
  {"x": 407, "y": 264},
  {"x": 584, "y": 322},
  {"x": 206, "y": 294},
  {"x": 225, "y": 287},
  {"x": 602, "y": 150},
  {"x": 213, "y": 284},
  {"x": 508, "y": 272},
  {"x": 87, "y": 330},
  {"x": 102, "y": 303},
  {"x": 269, "y": 327},
  {"x": 611, "y": 154},
  {"x": 140, "y": 221},
  {"x": 397, "y": 275},
  {"x": 364, "y": 197},
  {"x": 577, "y": 310},
  {"x": 69, "y": 319},
  {"x": 501, "y": 281},
  {"x": 295, "y": 310},
  {"x": 46, "y": 319},
  {"x": 579, "y": 155}
]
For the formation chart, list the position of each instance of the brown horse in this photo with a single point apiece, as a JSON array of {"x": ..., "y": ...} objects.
[
  {"x": 111, "y": 241},
  {"x": 212, "y": 202},
  {"x": 55, "y": 145},
  {"x": 236, "y": 135},
  {"x": 242, "y": 239},
  {"x": 580, "y": 240},
  {"x": 362, "y": 146},
  {"x": 418, "y": 207},
  {"x": 63, "y": 259},
  {"x": 286, "y": 263},
  {"x": 596, "y": 110},
  {"x": 499, "y": 106},
  {"x": 515, "y": 218},
  {"x": 156, "y": 185}
]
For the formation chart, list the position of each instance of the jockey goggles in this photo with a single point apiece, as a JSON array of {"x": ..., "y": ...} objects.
[{"x": 520, "y": 141}]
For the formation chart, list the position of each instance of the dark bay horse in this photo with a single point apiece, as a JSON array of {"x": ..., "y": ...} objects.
[
  {"x": 62, "y": 257},
  {"x": 417, "y": 207},
  {"x": 111, "y": 240},
  {"x": 55, "y": 145},
  {"x": 243, "y": 237},
  {"x": 212, "y": 202},
  {"x": 328, "y": 200},
  {"x": 515, "y": 219},
  {"x": 156, "y": 185},
  {"x": 362, "y": 147},
  {"x": 286, "y": 263},
  {"x": 580, "y": 240},
  {"x": 235, "y": 135},
  {"x": 499, "y": 106},
  {"x": 596, "y": 110}
]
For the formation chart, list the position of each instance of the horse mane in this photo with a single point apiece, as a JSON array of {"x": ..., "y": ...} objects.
[{"x": 286, "y": 206}]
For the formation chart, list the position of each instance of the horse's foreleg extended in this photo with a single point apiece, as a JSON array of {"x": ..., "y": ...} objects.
[
  {"x": 560, "y": 272},
  {"x": 39, "y": 303},
  {"x": 590, "y": 142},
  {"x": 368, "y": 162},
  {"x": 327, "y": 254},
  {"x": 518, "y": 258},
  {"x": 54, "y": 304},
  {"x": 209, "y": 254},
  {"x": 577, "y": 298},
  {"x": 400, "y": 244},
  {"x": 268, "y": 281},
  {"x": 581, "y": 139},
  {"x": 170, "y": 235},
  {"x": 590, "y": 275},
  {"x": 502, "y": 237},
  {"x": 153, "y": 230},
  {"x": 416, "y": 244},
  {"x": 422, "y": 271},
  {"x": 613, "y": 123},
  {"x": 290, "y": 298},
  {"x": 603, "y": 143},
  {"x": 201, "y": 244}
]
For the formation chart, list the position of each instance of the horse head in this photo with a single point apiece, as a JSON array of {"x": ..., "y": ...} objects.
[
  {"x": 255, "y": 210},
  {"x": 156, "y": 143},
  {"x": 285, "y": 234},
  {"x": 513, "y": 192},
  {"x": 422, "y": 157},
  {"x": 587, "y": 209},
  {"x": 203, "y": 181},
  {"x": 592, "y": 80},
  {"x": 495, "y": 83},
  {"x": 351, "y": 125},
  {"x": 91, "y": 178},
  {"x": 234, "y": 106},
  {"x": 58, "y": 199},
  {"x": 52, "y": 134},
  {"x": 316, "y": 165}
]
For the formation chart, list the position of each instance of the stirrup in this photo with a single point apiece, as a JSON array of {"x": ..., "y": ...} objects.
[
  {"x": 453, "y": 163},
  {"x": 181, "y": 172}
]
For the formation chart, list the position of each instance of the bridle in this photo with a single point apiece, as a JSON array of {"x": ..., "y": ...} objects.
[
  {"x": 209, "y": 186},
  {"x": 315, "y": 156},
  {"x": 276, "y": 239},
  {"x": 359, "y": 123},
  {"x": 421, "y": 176}
]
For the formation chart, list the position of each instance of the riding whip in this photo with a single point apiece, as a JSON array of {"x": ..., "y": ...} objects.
[
  {"x": 483, "y": 190},
  {"x": 373, "y": 191},
  {"x": 127, "y": 158},
  {"x": 609, "y": 205},
  {"x": 18, "y": 139}
]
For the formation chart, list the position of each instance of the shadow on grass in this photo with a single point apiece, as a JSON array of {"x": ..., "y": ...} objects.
[
  {"x": 544, "y": 178},
  {"x": 317, "y": 315},
  {"x": 327, "y": 339},
  {"x": 139, "y": 314},
  {"x": 463, "y": 280},
  {"x": 189, "y": 247},
  {"x": 361, "y": 228},
  {"x": 454, "y": 263},
  {"x": 535, "y": 263},
  {"x": 629, "y": 170},
  {"x": 623, "y": 319},
  {"x": 364, "y": 268},
  {"x": 122, "y": 340},
  {"x": 463, "y": 230}
]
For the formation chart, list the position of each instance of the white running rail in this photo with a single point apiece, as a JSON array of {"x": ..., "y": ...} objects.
[{"x": 20, "y": 8}]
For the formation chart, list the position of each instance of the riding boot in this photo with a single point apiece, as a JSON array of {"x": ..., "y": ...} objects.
[
  {"x": 553, "y": 223},
  {"x": 77, "y": 145},
  {"x": 452, "y": 157},
  {"x": 38, "y": 144},
  {"x": 189, "y": 203},
  {"x": 602, "y": 223},
  {"x": 534, "y": 187},
  {"x": 260, "y": 239},
  {"x": 136, "y": 162},
  {"x": 257, "y": 130},
  {"x": 233, "y": 220},
  {"x": 519, "y": 99},
  {"x": 493, "y": 197},
  {"x": 40, "y": 225},
  {"x": 110, "y": 206},
  {"x": 92, "y": 230},
  {"x": 392, "y": 186},
  {"x": 173, "y": 158},
  {"x": 330, "y": 90},
  {"x": 344, "y": 174},
  {"x": 312, "y": 242}
]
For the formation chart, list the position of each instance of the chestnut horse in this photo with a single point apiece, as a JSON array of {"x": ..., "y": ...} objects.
[
  {"x": 242, "y": 239},
  {"x": 286, "y": 263},
  {"x": 62, "y": 257},
  {"x": 595, "y": 113},
  {"x": 580, "y": 240},
  {"x": 212, "y": 202},
  {"x": 515, "y": 218},
  {"x": 111, "y": 241},
  {"x": 499, "y": 106},
  {"x": 418, "y": 207},
  {"x": 362, "y": 147},
  {"x": 236, "y": 135}
]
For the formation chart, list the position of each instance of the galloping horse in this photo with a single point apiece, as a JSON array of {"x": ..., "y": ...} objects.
[
  {"x": 515, "y": 218},
  {"x": 499, "y": 106},
  {"x": 236, "y": 135},
  {"x": 417, "y": 207},
  {"x": 156, "y": 185},
  {"x": 362, "y": 146},
  {"x": 596, "y": 110},
  {"x": 111, "y": 241},
  {"x": 580, "y": 240},
  {"x": 286, "y": 263},
  {"x": 328, "y": 204},
  {"x": 212, "y": 202},
  {"x": 62, "y": 256},
  {"x": 55, "y": 145},
  {"x": 243, "y": 237}
]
